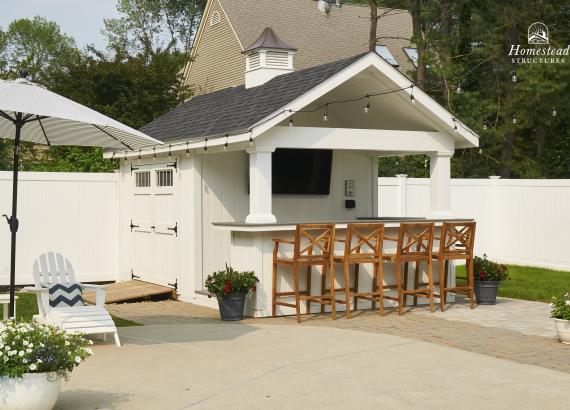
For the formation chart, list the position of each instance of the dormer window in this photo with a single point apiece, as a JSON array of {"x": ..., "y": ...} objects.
[
  {"x": 385, "y": 53},
  {"x": 216, "y": 19},
  {"x": 412, "y": 54}
]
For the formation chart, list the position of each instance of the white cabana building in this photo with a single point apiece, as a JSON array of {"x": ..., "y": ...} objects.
[{"x": 243, "y": 165}]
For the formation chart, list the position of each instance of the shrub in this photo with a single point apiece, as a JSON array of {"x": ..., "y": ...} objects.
[
  {"x": 230, "y": 281},
  {"x": 29, "y": 347},
  {"x": 560, "y": 307},
  {"x": 484, "y": 270}
]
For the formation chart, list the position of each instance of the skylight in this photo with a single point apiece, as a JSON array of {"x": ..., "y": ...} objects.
[
  {"x": 385, "y": 53},
  {"x": 412, "y": 54}
]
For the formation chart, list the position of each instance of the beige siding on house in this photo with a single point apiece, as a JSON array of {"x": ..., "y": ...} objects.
[
  {"x": 218, "y": 62},
  {"x": 319, "y": 38}
]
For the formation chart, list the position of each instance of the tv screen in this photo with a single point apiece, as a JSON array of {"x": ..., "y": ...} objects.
[{"x": 301, "y": 171}]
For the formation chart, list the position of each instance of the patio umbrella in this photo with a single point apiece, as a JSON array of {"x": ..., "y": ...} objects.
[{"x": 29, "y": 112}]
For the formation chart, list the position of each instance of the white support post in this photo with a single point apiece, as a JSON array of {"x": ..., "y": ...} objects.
[
  {"x": 260, "y": 208},
  {"x": 402, "y": 194},
  {"x": 440, "y": 185}
]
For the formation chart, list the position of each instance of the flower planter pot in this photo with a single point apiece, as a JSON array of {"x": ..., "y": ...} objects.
[
  {"x": 563, "y": 329},
  {"x": 33, "y": 391},
  {"x": 231, "y": 306},
  {"x": 486, "y": 292}
]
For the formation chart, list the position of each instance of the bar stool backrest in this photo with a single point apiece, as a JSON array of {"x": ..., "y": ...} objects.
[
  {"x": 364, "y": 239},
  {"x": 457, "y": 238},
  {"x": 313, "y": 240},
  {"x": 415, "y": 239}
]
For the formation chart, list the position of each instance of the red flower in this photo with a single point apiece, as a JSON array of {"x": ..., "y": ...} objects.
[
  {"x": 254, "y": 289},
  {"x": 482, "y": 275},
  {"x": 227, "y": 288}
]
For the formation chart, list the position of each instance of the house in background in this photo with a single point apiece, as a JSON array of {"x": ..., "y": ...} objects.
[{"x": 230, "y": 26}]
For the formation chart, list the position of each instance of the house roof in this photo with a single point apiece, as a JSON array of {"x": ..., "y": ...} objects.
[
  {"x": 319, "y": 37},
  {"x": 236, "y": 109},
  {"x": 268, "y": 39}
]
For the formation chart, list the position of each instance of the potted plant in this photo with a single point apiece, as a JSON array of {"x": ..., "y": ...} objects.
[
  {"x": 33, "y": 359},
  {"x": 231, "y": 287},
  {"x": 561, "y": 314},
  {"x": 488, "y": 277}
]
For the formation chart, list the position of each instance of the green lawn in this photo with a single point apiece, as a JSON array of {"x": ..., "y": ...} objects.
[
  {"x": 531, "y": 283},
  {"x": 26, "y": 307}
]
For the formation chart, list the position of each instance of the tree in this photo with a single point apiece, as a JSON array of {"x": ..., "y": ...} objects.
[
  {"x": 35, "y": 45},
  {"x": 151, "y": 26}
]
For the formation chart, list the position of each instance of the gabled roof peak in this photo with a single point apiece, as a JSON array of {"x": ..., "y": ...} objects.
[{"x": 268, "y": 39}]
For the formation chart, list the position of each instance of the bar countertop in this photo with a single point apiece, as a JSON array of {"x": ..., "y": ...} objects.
[{"x": 390, "y": 222}]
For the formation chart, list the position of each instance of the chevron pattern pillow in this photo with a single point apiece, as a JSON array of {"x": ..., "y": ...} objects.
[{"x": 68, "y": 295}]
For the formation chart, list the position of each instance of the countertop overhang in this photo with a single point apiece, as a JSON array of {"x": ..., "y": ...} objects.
[{"x": 389, "y": 222}]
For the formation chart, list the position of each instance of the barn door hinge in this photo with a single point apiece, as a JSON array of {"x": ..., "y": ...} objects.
[
  {"x": 133, "y": 276},
  {"x": 174, "y": 229},
  {"x": 174, "y": 285},
  {"x": 133, "y": 225}
]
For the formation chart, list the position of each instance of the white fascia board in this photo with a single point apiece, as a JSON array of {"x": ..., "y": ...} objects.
[
  {"x": 356, "y": 139},
  {"x": 443, "y": 118}
]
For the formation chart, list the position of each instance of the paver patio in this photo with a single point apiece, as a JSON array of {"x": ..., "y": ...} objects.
[{"x": 515, "y": 330}]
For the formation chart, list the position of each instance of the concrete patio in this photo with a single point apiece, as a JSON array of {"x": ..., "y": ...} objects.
[{"x": 185, "y": 357}]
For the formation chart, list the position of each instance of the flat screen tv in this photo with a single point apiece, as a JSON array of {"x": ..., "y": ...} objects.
[{"x": 301, "y": 171}]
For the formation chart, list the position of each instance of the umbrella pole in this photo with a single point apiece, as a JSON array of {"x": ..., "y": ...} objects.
[{"x": 13, "y": 221}]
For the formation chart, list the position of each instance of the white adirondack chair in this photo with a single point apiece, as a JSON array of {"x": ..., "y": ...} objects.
[{"x": 53, "y": 268}]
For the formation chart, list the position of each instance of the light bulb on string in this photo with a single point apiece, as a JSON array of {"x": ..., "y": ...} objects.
[
  {"x": 484, "y": 126},
  {"x": 326, "y": 114},
  {"x": 291, "y": 121},
  {"x": 170, "y": 151},
  {"x": 514, "y": 76},
  {"x": 139, "y": 158},
  {"x": 459, "y": 90},
  {"x": 480, "y": 151},
  {"x": 113, "y": 156},
  {"x": 554, "y": 113},
  {"x": 226, "y": 143},
  {"x": 125, "y": 156},
  {"x": 367, "y": 106},
  {"x": 187, "y": 149},
  {"x": 514, "y": 120},
  {"x": 412, "y": 98},
  {"x": 206, "y": 145},
  {"x": 454, "y": 124},
  {"x": 154, "y": 153},
  {"x": 250, "y": 139}
]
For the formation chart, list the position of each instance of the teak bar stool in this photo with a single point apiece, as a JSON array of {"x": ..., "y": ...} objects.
[
  {"x": 414, "y": 244},
  {"x": 363, "y": 244},
  {"x": 312, "y": 246},
  {"x": 456, "y": 242}
]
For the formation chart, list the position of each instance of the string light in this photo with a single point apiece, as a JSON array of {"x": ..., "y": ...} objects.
[
  {"x": 459, "y": 90},
  {"x": 139, "y": 154},
  {"x": 187, "y": 149},
  {"x": 484, "y": 126},
  {"x": 154, "y": 153},
  {"x": 554, "y": 113},
  {"x": 326, "y": 114},
  {"x": 113, "y": 156},
  {"x": 226, "y": 143},
  {"x": 125, "y": 156},
  {"x": 206, "y": 145},
  {"x": 250, "y": 139},
  {"x": 367, "y": 106},
  {"x": 170, "y": 151},
  {"x": 480, "y": 150},
  {"x": 412, "y": 98},
  {"x": 291, "y": 119},
  {"x": 455, "y": 124},
  {"x": 514, "y": 120},
  {"x": 514, "y": 76}
]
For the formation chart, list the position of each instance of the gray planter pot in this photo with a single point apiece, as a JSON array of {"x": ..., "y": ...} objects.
[
  {"x": 486, "y": 292},
  {"x": 231, "y": 306}
]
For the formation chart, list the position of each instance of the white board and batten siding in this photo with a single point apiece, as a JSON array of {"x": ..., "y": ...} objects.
[
  {"x": 522, "y": 222},
  {"x": 75, "y": 214}
]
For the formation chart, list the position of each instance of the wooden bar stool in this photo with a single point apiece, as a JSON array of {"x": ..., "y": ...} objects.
[
  {"x": 414, "y": 244},
  {"x": 362, "y": 244},
  {"x": 312, "y": 246},
  {"x": 456, "y": 242}
]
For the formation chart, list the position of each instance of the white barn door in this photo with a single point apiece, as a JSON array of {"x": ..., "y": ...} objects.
[{"x": 154, "y": 227}]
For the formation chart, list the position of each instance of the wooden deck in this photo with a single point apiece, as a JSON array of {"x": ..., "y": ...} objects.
[{"x": 130, "y": 290}]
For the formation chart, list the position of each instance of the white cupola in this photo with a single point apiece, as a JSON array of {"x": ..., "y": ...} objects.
[{"x": 266, "y": 58}]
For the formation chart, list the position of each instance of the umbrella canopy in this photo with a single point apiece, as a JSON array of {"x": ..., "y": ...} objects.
[
  {"x": 29, "y": 112},
  {"x": 56, "y": 120}
]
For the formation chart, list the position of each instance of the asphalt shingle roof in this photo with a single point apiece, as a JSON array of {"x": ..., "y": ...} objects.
[{"x": 236, "y": 109}]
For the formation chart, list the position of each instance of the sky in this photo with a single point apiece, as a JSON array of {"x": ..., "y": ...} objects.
[{"x": 81, "y": 19}]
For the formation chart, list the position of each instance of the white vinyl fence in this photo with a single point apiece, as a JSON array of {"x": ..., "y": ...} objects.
[
  {"x": 523, "y": 222},
  {"x": 74, "y": 214}
]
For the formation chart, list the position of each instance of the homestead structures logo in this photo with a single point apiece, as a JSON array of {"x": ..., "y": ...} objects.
[{"x": 538, "y": 35}]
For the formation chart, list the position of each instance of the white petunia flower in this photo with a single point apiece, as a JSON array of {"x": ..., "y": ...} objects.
[
  {"x": 33, "y": 367},
  {"x": 77, "y": 359},
  {"x": 21, "y": 353},
  {"x": 568, "y": 303},
  {"x": 67, "y": 343},
  {"x": 89, "y": 351},
  {"x": 25, "y": 343}
]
